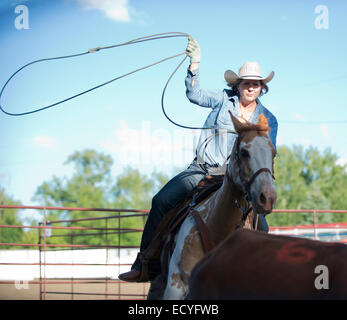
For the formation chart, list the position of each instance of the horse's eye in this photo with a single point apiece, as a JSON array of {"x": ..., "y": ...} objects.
[{"x": 244, "y": 153}]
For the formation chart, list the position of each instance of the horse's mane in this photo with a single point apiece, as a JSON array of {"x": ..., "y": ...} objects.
[
  {"x": 252, "y": 127},
  {"x": 261, "y": 125},
  {"x": 261, "y": 128}
]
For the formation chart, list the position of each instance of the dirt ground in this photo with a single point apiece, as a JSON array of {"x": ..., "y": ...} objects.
[{"x": 82, "y": 291}]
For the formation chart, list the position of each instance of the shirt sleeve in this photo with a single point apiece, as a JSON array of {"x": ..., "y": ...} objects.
[
  {"x": 203, "y": 98},
  {"x": 273, "y": 131}
]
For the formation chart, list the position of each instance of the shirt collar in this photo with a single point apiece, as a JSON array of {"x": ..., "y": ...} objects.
[{"x": 258, "y": 110}]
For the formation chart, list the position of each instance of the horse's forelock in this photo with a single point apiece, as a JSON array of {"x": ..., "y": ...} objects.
[
  {"x": 246, "y": 127},
  {"x": 248, "y": 132}
]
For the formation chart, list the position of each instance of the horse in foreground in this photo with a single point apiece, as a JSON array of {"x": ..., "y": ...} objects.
[
  {"x": 248, "y": 178},
  {"x": 254, "y": 265}
]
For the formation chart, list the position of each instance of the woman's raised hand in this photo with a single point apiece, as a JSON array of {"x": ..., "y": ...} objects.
[{"x": 193, "y": 50}]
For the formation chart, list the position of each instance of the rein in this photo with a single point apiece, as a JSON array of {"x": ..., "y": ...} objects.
[{"x": 249, "y": 183}]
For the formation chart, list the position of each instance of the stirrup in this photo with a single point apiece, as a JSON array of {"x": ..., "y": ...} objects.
[
  {"x": 150, "y": 269},
  {"x": 144, "y": 272}
]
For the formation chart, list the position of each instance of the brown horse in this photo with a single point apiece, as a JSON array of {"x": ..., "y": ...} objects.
[
  {"x": 249, "y": 174},
  {"x": 254, "y": 265}
]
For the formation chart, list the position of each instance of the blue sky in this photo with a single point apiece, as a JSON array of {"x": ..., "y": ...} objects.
[{"x": 124, "y": 119}]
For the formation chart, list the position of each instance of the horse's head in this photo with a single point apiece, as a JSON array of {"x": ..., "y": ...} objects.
[{"x": 251, "y": 165}]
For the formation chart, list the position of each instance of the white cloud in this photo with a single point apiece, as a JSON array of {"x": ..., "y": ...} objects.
[
  {"x": 44, "y": 141},
  {"x": 118, "y": 10}
]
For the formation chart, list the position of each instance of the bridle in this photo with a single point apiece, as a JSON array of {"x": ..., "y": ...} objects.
[{"x": 246, "y": 184}]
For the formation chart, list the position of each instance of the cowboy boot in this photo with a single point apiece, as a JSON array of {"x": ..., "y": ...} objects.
[
  {"x": 135, "y": 273},
  {"x": 142, "y": 270}
]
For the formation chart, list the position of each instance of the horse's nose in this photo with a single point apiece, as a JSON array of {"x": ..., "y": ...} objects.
[{"x": 267, "y": 200}]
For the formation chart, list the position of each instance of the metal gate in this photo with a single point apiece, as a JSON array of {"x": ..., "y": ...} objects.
[{"x": 72, "y": 268}]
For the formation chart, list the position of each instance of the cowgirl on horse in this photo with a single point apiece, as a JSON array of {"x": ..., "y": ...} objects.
[{"x": 242, "y": 99}]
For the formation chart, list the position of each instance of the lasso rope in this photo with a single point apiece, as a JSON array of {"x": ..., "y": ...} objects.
[
  {"x": 93, "y": 50},
  {"x": 146, "y": 38}
]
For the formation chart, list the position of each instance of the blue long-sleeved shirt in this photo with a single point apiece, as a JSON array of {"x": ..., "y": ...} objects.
[{"x": 220, "y": 144}]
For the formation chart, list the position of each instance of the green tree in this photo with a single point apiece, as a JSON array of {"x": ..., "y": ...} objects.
[
  {"x": 307, "y": 179},
  {"x": 9, "y": 217},
  {"x": 89, "y": 187},
  {"x": 134, "y": 190},
  {"x": 323, "y": 172},
  {"x": 92, "y": 186}
]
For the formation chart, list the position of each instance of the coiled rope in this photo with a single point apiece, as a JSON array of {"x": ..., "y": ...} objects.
[{"x": 93, "y": 50}]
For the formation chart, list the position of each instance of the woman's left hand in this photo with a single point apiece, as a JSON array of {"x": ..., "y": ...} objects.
[{"x": 193, "y": 50}]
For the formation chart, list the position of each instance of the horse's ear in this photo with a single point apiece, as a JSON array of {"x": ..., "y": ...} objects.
[
  {"x": 262, "y": 120},
  {"x": 237, "y": 124},
  {"x": 263, "y": 123}
]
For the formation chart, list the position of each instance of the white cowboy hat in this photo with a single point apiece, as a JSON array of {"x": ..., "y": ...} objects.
[{"x": 249, "y": 70}]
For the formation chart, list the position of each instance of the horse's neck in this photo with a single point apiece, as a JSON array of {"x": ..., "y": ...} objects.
[{"x": 224, "y": 215}]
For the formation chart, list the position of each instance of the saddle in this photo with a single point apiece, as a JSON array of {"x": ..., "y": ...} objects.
[{"x": 170, "y": 224}]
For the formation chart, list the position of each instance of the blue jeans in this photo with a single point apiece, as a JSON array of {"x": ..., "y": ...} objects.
[{"x": 173, "y": 192}]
